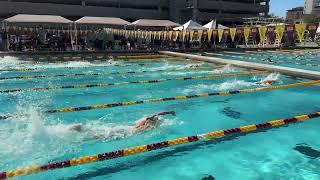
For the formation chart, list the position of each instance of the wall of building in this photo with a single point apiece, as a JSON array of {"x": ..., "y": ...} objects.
[
  {"x": 312, "y": 7},
  {"x": 227, "y": 10},
  {"x": 176, "y": 10},
  {"x": 12, "y": 8},
  {"x": 294, "y": 16}
]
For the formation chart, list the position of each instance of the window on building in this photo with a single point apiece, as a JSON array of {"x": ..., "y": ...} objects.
[
  {"x": 189, "y": 3},
  {"x": 317, "y": 5}
]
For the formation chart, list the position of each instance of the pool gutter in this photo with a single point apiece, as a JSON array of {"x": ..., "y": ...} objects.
[{"x": 308, "y": 74}]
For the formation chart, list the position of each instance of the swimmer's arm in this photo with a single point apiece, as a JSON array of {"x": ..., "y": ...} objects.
[
  {"x": 167, "y": 112},
  {"x": 140, "y": 124},
  {"x": 142, "y": 128}
]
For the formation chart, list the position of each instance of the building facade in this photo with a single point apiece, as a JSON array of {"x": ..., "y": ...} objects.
[
  {"x": 312, "y": 7},
  {"x": 295, "y": 15},
  {"x": 225, "y": 11}
]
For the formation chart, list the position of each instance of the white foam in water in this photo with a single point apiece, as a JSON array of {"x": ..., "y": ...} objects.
[
  {"x": 102, "y": 131},
  {"x": 97, "y": 130},
  {"x": 226, "y": 69},
  {"x": 231, "y": 84},
  {"x": 68, "y": 64},
  {"x": 9, "y": 61},
  {"x": 271, "y": 77},
  {"x": 168, "y": 66},
  {"x": 27, "y": 136},
  {"x": 72, "y": 64}
]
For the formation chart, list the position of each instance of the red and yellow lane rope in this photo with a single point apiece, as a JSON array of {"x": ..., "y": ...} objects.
[
  {"x": 155, "y": 146},
  {"x": 78, "y": 86},
  {"x": 108, "y": 73},
  {"x": 130, "y": 103}
]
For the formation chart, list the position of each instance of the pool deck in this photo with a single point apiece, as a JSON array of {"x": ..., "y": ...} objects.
[{"x": 308, "y": 74}]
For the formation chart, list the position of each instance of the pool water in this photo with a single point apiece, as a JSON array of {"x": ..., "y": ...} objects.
[
  {"x": 32, "y": 137},
  {"x": 299, "y": 59}
]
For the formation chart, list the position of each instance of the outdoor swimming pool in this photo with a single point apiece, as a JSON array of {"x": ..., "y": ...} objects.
[
  {"x": 32, "y": 136},
  {"x": 300, "y": 59}
]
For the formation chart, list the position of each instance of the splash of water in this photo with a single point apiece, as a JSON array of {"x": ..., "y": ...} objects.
[
  {"x": 232, "y": 84},
  {"x": 9, "y": 61},
  {"x": 168, "y": 65},
  {"x": 226, "y": 69},
  {"x": 228, "y": 85},
  {"x": 27, "y": 136},
  {"x": 274, "y": 77}
]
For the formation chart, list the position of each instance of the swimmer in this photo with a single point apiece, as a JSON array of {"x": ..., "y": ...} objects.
[
  {"x": 2, "y": 117},
  {"x": 111, "y": 58},
  {"x": 266, "y": 82},
  {"x": 268, "y": 59},
  {"x": 146, "y": 124},
  {"x": 150, "y": 122},
  {"x": 300, "y": 55},
  {"x": 195, "y": 65}
]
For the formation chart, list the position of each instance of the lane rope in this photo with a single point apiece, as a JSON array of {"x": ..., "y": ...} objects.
[
  {"x": 130, "y": 103},
  {"x": 110, "y": 65},
  {"x": 156, "y": 146},
  {"x": 134, "y": 82},
  {"x": 125, "y": 60},
  {"x": 145, "y": 57},
  {"x": 90, "y": 57},
  {"x": 108, "y": 73}
]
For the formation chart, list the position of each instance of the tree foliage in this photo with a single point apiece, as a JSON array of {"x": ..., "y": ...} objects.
[{"x": 311, "y": 19}]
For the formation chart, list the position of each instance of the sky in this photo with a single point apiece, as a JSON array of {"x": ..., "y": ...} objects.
[{"x": 280, "y": 7}]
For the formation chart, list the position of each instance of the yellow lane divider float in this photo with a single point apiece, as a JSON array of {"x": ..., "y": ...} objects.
[
  {"x": 130, "y": 103},
  {"x": 145, "y": 57},
  {"x": 66, "y": 67},
  {"x": 134, "y": 82},
  {"x": 155, "y": 146},
  {"x": 214, "y": 54},
  {"x": 107, "y": 73},
  {"x": 116, "y": 59},
  {"x": 110, "y": 65},
  {"x": 92, "y": 57},
  {"x": 233, "y": 52}
]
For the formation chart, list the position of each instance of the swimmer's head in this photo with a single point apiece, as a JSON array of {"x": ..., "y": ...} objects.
[{"x": 76, "y": 127}]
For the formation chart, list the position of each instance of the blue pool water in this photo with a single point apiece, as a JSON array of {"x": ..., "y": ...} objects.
[
  {"x": 32, "y": 137},
  {"x": 303, "y": 60}
]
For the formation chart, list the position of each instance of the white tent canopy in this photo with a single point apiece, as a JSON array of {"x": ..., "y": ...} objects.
[
  {"x": 154, "y": 23},
  {"x": 28, "y": 18},
  {"x": 211, "y": 25},
  {"x": 190, "y": 25},
  {"x": 222, "y": 27},
  {"x": 276, "y": 24},
  {"x": 102, "y": 21}
]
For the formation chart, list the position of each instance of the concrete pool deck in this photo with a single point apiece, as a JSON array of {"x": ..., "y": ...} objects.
[{"x": 308, "y": 74}]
